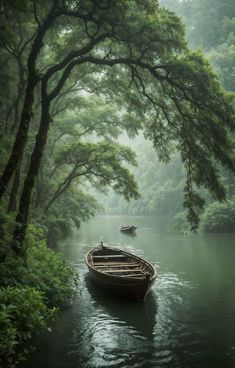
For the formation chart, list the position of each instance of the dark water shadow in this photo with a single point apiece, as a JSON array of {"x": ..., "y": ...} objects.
[
  {"x": 138, "y": 315},
  {"x": 131, "y": 235}
]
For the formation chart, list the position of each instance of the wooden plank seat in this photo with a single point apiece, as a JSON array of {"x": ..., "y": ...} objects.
[
  {"x": 118, "y": 271},
  {"x": 108, "y": 265},
  {"x": 115, "y": 263},
  {"x": 111, "y": 256}
]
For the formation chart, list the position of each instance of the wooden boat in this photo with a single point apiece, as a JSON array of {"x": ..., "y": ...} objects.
[
  {"x": 121, "y": 272},
  {"x": 130, "y": 229}
]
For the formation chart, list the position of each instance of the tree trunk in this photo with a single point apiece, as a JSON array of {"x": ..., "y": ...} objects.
[
  {"x": 39, "y": 189},
  {"x": 25, "y": 201},
  {"x": 18, "y": 100},
  {"x": 14, "y": 190},
  {"x": 21, "y": 137},
  {"x": 22, "y": 134}
]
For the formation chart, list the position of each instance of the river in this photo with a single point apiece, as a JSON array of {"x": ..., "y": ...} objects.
[{"x": 187, "y": 320}]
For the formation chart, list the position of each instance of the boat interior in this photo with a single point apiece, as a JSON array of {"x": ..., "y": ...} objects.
[{"x": 120, "y": 264}]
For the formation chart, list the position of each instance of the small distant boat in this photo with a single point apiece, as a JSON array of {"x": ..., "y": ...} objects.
[
  {"x": 130, "y": 229},
  {"x": 121, "y": 272}
]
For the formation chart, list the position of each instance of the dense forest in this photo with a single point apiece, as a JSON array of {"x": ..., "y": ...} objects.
[{"x": 89, "y": 90}]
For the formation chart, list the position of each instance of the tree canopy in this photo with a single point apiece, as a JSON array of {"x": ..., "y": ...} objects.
[{"x": 134, "y": 55}]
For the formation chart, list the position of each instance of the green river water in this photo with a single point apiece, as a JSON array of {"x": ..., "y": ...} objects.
[{"x": 187, "y": 320}]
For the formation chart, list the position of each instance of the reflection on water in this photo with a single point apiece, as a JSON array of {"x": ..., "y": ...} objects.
[
  {"x": 140, "y": 318},
  {"x": 131, "y": 235},
  {"x": 187, "y": 320}
]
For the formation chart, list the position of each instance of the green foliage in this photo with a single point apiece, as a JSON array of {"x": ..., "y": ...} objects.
[
  {"x": 219, "y": 217},
  {"x": 30, "y": 290},
  {"x": 12, "y": 270},
  {"x": 84, "y": 156},
  {"x": 223, "y": 58},
  {"x": 47, "y": 272},
  {"x": 23, "y": 312},
  {"x": 43, "y": 270},
  {"x": 68, "y": 212},
  {"x": 161, "y": 185},
  {"x": 180, "y": 224},
  {"x": 59, "y": 228},
  {"x": 101, "y": 163},
  {"x": 83, "y": 116},
  {"x": 201, "y": 18},
  {"x": 52, "y": 227},
  {"x": 36, "y": 233}
]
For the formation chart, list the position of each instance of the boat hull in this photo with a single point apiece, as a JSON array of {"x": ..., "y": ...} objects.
[
  {"x": 126, "y": 287},
  {"x": 128, "y": 229}
]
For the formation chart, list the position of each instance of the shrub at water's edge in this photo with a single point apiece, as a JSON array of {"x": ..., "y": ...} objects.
[
  {"x": 219, "y": 217},
  {"x": 23, "y": 312},
  {"x": 47, "y": 272},
  {"x": 31, "y": 292}
]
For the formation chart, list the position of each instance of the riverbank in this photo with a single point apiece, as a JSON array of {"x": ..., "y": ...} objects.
[{"x": 32, "y": 291}]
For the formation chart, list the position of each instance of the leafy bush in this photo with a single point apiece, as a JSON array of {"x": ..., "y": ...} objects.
[
  {"x": 219, "y": 217},
  {"x": 30, "y": 289},
  {"x": 58, "y": 229},
  {"x": 35, "y": 233},
  {"x": 47, "y": 272},
  {"x": 12, "y": 271},
  {"x": 180, "y": 224},
  {"x": 43, "y": 269},
  {"x": 22, "y": 313}
]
